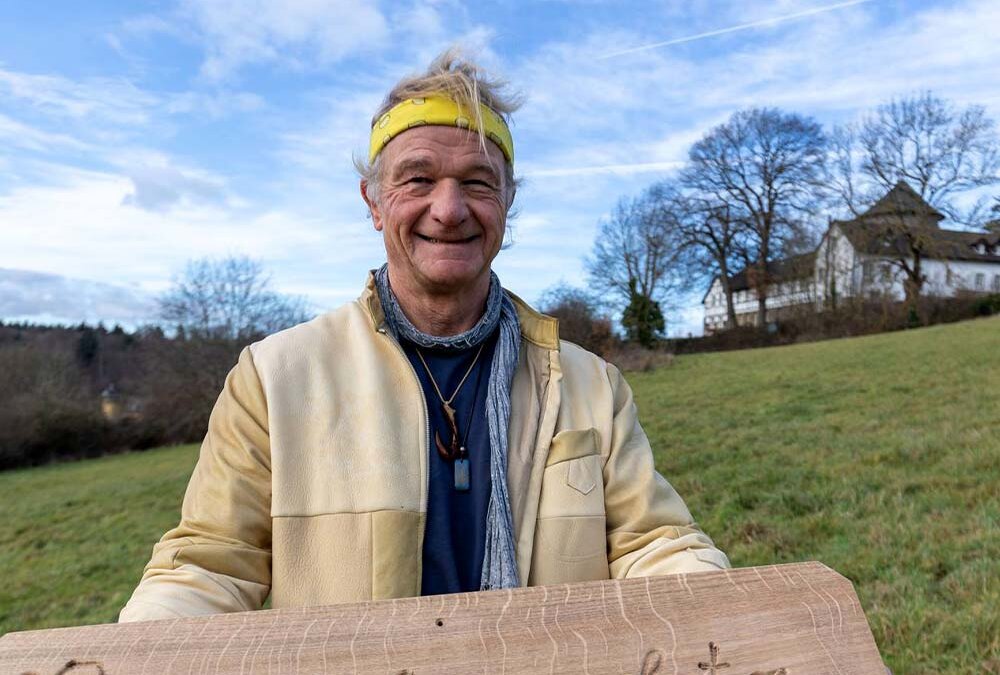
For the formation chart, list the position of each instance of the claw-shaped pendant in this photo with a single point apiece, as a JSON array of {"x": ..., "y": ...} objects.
[
  {"x": 451, "y": 452},
  {"x": 445, "y": 453}
]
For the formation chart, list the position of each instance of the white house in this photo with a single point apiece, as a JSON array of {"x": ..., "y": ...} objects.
[
  {"x": 854, "y": 259},
  {"x": 793, "y": 286}
]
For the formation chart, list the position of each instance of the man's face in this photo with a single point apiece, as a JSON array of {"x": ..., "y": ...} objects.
[{"x": 442, "y": 209}]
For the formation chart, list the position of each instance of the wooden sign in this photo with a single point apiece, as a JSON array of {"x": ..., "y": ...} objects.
[{"x": 801, "y": 619}]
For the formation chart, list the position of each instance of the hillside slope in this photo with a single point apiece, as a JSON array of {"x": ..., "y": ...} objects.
[{"x": 879, "y": 456}]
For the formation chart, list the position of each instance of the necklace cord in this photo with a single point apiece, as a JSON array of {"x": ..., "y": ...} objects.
[{"x": 437, "y": 389}]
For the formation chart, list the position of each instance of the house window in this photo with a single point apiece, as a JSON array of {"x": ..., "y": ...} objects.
[
  {"x": 867, "y": 271},
  {"x": 980, "y": 281},
  {"x": 996, "y": 282}
]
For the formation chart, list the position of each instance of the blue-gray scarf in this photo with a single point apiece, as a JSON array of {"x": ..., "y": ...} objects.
[{"x": 499, "y": 563}]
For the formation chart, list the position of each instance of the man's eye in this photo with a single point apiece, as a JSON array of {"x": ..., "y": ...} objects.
[
  {"x": 479, "y": 183},
  {"x": 420, "y": 180}
]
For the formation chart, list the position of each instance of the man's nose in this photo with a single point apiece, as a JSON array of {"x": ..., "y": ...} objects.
[{"x": 448, "y": 205}]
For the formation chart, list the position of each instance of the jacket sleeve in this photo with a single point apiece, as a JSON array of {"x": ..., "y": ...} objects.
[
  {"x": 218, "y": 558},
  {"x": 650, "y": 530}
]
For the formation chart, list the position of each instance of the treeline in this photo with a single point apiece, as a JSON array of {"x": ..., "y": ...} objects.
[
  {"x": 83, "y": 391},
  {"x": 762, "y": 187}
]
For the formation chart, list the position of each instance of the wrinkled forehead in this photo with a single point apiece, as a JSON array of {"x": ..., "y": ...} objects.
[{"x": 442, "y": 148}]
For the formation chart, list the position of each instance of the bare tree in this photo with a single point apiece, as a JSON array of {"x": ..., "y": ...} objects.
[
  {"x": 228, "y": 298},
  {"x": 912, "y": 158},
  {"x": 580, "y": 317},
  {"x": 937, "y": 149},
  {"x": 710, "y": 238},
  {"x": 635, "y": 254},
  {"x": 993, "y": 224},
  {"x": 767, "y": 166}
]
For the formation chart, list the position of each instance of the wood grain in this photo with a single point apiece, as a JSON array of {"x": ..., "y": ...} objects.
[{"x": 777, "y": 620}]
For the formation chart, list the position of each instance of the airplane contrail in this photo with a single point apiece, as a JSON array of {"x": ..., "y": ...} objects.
[
  {"x": 733, "y": 29},
  {"x": 621, "y": 169}
]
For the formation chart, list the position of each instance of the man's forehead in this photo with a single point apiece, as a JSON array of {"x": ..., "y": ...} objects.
[{"x": 434, "y": 146}]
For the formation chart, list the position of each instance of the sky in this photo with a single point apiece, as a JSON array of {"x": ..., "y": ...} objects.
[{"x": 135, "y": 136}]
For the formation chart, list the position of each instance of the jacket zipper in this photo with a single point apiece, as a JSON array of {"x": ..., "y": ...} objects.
[{"x": 424, "y": 459}]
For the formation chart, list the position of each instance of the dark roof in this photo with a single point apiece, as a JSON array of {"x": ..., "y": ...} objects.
[
  {"x": 879, "y": 230},
  {"x": 940, "y": 244},
  {"x": 794, "y": 267},
  {"x": 903, "y": 200}
]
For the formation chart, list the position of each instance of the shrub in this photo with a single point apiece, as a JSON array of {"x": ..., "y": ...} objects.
[
  {"x": 580, "y": 319},
  {"x": 988, "y": 305}
]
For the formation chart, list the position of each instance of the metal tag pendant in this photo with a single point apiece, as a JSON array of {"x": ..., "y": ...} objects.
[{"x": 462, "y": 475}]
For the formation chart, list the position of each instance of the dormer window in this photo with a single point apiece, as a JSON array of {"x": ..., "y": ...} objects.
[{"x": 981, "y": 248}]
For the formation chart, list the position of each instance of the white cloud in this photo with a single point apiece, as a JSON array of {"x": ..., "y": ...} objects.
[
  {"x": 617, "y": 169},
  {"x": 114, "y": 108},
  {"x": 81, "y": 225},
  {"x": 822, "y": 64},
  {"x": 51, "y": 298},
  {"x": 215, "y": 104},
  {"x": 20, "y": 135},
  {"x": 111, "y": 101},
  {"x": 162, "y": 186},
  {"x": 290, "y": 32},
  {"x": 327, "y": 143}
]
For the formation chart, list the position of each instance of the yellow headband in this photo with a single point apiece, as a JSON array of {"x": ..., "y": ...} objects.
[{"x": 437, "y": 111}]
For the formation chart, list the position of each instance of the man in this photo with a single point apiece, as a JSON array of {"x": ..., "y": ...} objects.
[{"x": 432, "y": 437}]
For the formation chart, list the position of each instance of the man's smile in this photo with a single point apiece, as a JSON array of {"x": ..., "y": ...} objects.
[{"x": 433, "y": 240}]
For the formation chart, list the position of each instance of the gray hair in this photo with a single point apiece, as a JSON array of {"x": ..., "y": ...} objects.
[{"x": 465, "y": 82}]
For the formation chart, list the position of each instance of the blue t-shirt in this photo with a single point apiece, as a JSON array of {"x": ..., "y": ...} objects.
[{"x": 455, "y": 532}]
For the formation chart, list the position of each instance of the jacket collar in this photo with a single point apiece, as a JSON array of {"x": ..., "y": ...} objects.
[{"x": 536, "y": 327}]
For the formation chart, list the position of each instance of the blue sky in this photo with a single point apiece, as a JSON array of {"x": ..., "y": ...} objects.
[{"x": 137, "y": 135}]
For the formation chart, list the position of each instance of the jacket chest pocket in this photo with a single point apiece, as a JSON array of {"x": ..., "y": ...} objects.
[{"x": 573, "y": 483}]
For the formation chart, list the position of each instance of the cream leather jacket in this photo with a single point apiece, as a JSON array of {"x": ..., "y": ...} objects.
[{"x": 312, "y": 480}]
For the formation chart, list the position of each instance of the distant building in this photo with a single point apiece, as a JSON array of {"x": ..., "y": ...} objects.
[
  {"x": 792, "y": 286},
  {"x": 854, "y": 260},
  {"x": 111, "y": 403},
  {"x": 115, "y": 407}
]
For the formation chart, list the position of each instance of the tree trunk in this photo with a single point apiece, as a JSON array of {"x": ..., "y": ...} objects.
[
  {"x": 728, "y": 292},
  {"x": 760, "y": 285},
  {"x": 913, "y": 283}
]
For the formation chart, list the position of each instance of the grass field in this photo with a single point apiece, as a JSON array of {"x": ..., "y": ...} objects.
[{"x": 879, "y": 456}]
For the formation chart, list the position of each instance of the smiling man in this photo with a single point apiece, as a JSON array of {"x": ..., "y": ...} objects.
[{"x": 434, "y": 436}]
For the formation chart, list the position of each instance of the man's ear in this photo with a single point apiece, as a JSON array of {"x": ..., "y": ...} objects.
[{"x": 372, "y": 206}]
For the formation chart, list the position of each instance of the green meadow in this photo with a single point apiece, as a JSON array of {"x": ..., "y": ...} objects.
[{"x": 879, "y": 456}]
